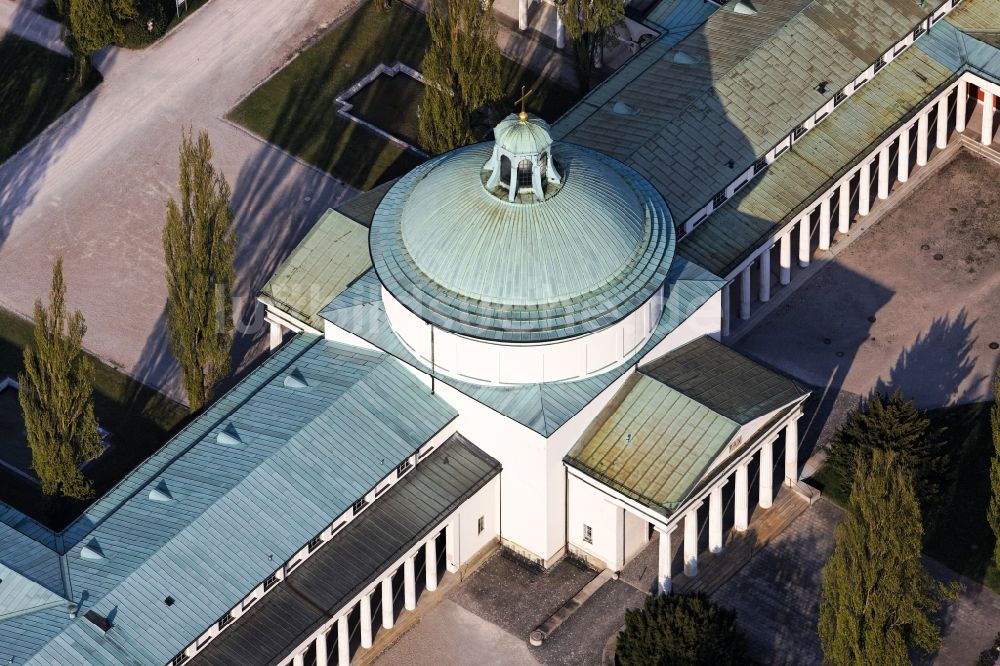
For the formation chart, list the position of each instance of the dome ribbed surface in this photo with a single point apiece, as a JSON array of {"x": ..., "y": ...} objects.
[
  {"x": 522, "y": 137},
  {"x": 473, "y": 263}
]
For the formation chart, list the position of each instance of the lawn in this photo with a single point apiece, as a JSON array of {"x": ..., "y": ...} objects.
[
  {"x": 295, "y": 109},
  {"x": 36, "y": 87},
  {"x": 961, "y": 538},
  {"x": 399, "y": 119},
  {"x": 139, "y": 418}
]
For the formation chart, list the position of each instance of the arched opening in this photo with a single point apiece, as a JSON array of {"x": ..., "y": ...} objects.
[
  {"x": 524, "y": 174},
  {"x": 505, "y": 170}
]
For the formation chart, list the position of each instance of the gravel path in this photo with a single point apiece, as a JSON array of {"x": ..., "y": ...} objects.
[
  {"x": 92, "y": 187},
  {"x": 19, "y": 19}
]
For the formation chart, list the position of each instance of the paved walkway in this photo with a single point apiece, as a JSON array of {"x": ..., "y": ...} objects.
[
  {"x": 93, "y": 186},
  {"x": 21, "y": 20}
]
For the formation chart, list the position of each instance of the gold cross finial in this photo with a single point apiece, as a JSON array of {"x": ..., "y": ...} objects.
[{"x": 524, "y": 95}]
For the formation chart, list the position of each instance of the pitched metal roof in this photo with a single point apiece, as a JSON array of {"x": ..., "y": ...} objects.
[
  {"x": 676, "y": 19},
  {"x": 294, "y": 457},
  {"x": 355, "y": 558},
  {"x": 542, "y": 407},
  {"x": 742, "y": 84},
  {"x": 723, "y": 380},
  {"x": 652, "y": 443},
  {"x": 330, "y": 257}
]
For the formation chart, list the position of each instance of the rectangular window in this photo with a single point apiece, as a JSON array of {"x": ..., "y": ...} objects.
[
  {"x": 270, "y": 581},
  {"x": 336, "y": 528},
  {"x": 225, "y": 620},
  {"x": 247, "y": 603},
  {"x": 588, "y": 534},
  {"x": 839, "y": 98},
  {"x": 880, "y": 63},
  {"x": 181, "y": 658},
  {"x": 919, "y": 30},
  {"x": 719, "y": 199},
  {"x": 481, "y": 525},
  {"x": 360, "y": 505},
  {"x": 798, "y": 132},
  {"x": 403, "y": 467},
  {"x": 781, "y": 150},
  {"x": 315, "y": 543},
  {"x": 759, "y": 165}
]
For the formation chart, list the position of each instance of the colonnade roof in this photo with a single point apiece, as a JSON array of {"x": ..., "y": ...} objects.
[{"x": 358, "y": 556}]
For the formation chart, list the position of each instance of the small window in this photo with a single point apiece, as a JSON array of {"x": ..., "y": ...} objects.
[
  {"x": 759, "y": 165},
  {"x": 225, "y": 620},
  {"x": 839, "y": 98},
  {"x": 270, "y": 581},
  {"x": 360, "y": 505},
  {"x": 315, "y": 543},
  {"x": 403, "y": 467},
  {"x": 798, "y": 132},
  {"x": 181, "y": 658},
  {"x": 543, "y": 162},
  {"x": 524, "y": 173},
  {"x": 247, "y": 603},
  {"x": 719, "y": 199},
  {"x": 588, "y": 534},
  {"x": 880, "y": 63},
  {"x": 481, "y": 525},
  {"x": 919, "y": 30},
  {"x": 378, "y": 493}
]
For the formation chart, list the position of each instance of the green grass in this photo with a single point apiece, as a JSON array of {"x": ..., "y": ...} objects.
[
  {"x": 139, "y": 418},
  {"x": 961, "y": 537},
  {"x": 296, "y": 111},
  {"x": 36, "y": 87},
  {"x": 398, "y": 119}
]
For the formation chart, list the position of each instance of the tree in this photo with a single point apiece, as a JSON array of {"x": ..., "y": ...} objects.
[
  {"x": 57, "y": 398},
  {"x": 461, "y": 72},
  {"x": 993, "y": 511},
  {"x": 681, "y": 630},
  {"x": 199, "y": 244},
  {"x": 92, "y": 25},
  {"x": 893, "y": 424},
  {"x": 590, "y": 24},
  {"x": 878, "y": 600}
]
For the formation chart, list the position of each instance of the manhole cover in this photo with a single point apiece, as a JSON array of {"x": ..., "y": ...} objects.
[
  {"x": 938, "y": 257},
  {"x": 925, "y": 247},
  {"x": 994, "y": 345}
]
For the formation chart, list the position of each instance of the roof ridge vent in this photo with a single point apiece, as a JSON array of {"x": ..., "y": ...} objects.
[
  {"x": 92, "y": 551},
  {"x": 744, "y": 7},
  {"x": 160, "y": 493},
  {"x": 228, "y": 436},
  {"x": 296, "y": 380},
  {"x": 684, "y": 58}
]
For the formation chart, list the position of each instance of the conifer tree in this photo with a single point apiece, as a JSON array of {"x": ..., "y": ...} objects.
[
  {"x": 92, "y": 25},
  {"x": 878, "y": 600},
  {"x": 681, "y": 629},
  {"x": 199, "y": 244},
  {"x": 590, "y": 24},
  {"x": 993, "y": 511},
  {"x": 461, "y": 72},
  {"x": 57, "y": 398},
  {"x": 893, "y": 424}
]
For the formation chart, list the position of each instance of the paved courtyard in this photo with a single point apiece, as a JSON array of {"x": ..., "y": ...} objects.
[{"x": 910, "y": 304}]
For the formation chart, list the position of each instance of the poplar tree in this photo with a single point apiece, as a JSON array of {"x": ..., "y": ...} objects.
[
  {"x": 92, "y": 25},
  {"x": 590, "y": 25},
  {"x": 57, "y": 398},
  {"x": 199, "y": 244},
  {"x": 878, "y": 599},
  {"x": 461, "y": 72},
  {"x": 993, "y": 511},
  {"x": 893, "y": 424}
]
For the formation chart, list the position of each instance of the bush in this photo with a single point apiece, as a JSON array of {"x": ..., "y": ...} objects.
[{"x": 681, "y": 630}]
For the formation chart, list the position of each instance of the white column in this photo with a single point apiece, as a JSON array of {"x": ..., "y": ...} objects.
[
  {"x": 805, "y": 241},
  {"x": 450, "y": 548},
  {"x": 522, "y": 14},
  {"x": 942, "y": 122},
  {"x": 619, "y": 562},
  {"x": 299, "y": 659},
  {"x": 275, "y": 336},
  {"x": 725, "y": 310},
  {"x": 824, "y": 223},
  {"x": 844, "y": 208},
  {"x": 865, "y": 189},
  {"x": 745, "y": 294},
  {"x": 766, "y": 474},
  {"x": 366, "y": 620},
  {"x": 691, "y": 541},
  {"x": 430, "y": 566},
  {"x": 987, "y": 118},
  {"x": 765, "y": 275},
  {"x": 922, "y": 131},
  {"x": 321, "y": 650},
  {"x": 961, "y": 105},
  {"x": 560, "y": 31},
  {"x": 792, "y": 452},
  {"x": 343, "y": 642},
  {"x": 664, "y": 550},
  {"x": 409, "y": 584},
  {"x": 903, "y": 156},
  {"x": 883, "y": 173},
  {"x": 388, "y": 605},
  {"x": 741, "y": 497},
  {"x": 715, "y": 518},
  {"x": 785, "y": 258}
]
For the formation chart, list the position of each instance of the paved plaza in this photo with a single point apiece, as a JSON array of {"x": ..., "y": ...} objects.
[{"x": 909, "y": 304}]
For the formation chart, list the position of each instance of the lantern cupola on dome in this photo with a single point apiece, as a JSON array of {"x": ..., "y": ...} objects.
[{"x": 521, "y": 167}]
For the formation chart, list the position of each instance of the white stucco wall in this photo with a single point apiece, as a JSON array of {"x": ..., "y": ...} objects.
[{"x": 485, "y": 503}]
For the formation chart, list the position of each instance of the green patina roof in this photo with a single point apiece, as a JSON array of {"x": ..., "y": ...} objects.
[
  {"x": 652, "y": 443},
  {"x": 19, "y": 595},
  {"x": 723, "y": 380},
  {"x": 329, "y": 258},
  {"x": 522, "y": 137},
  {"x": 475, "y": 264}
]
